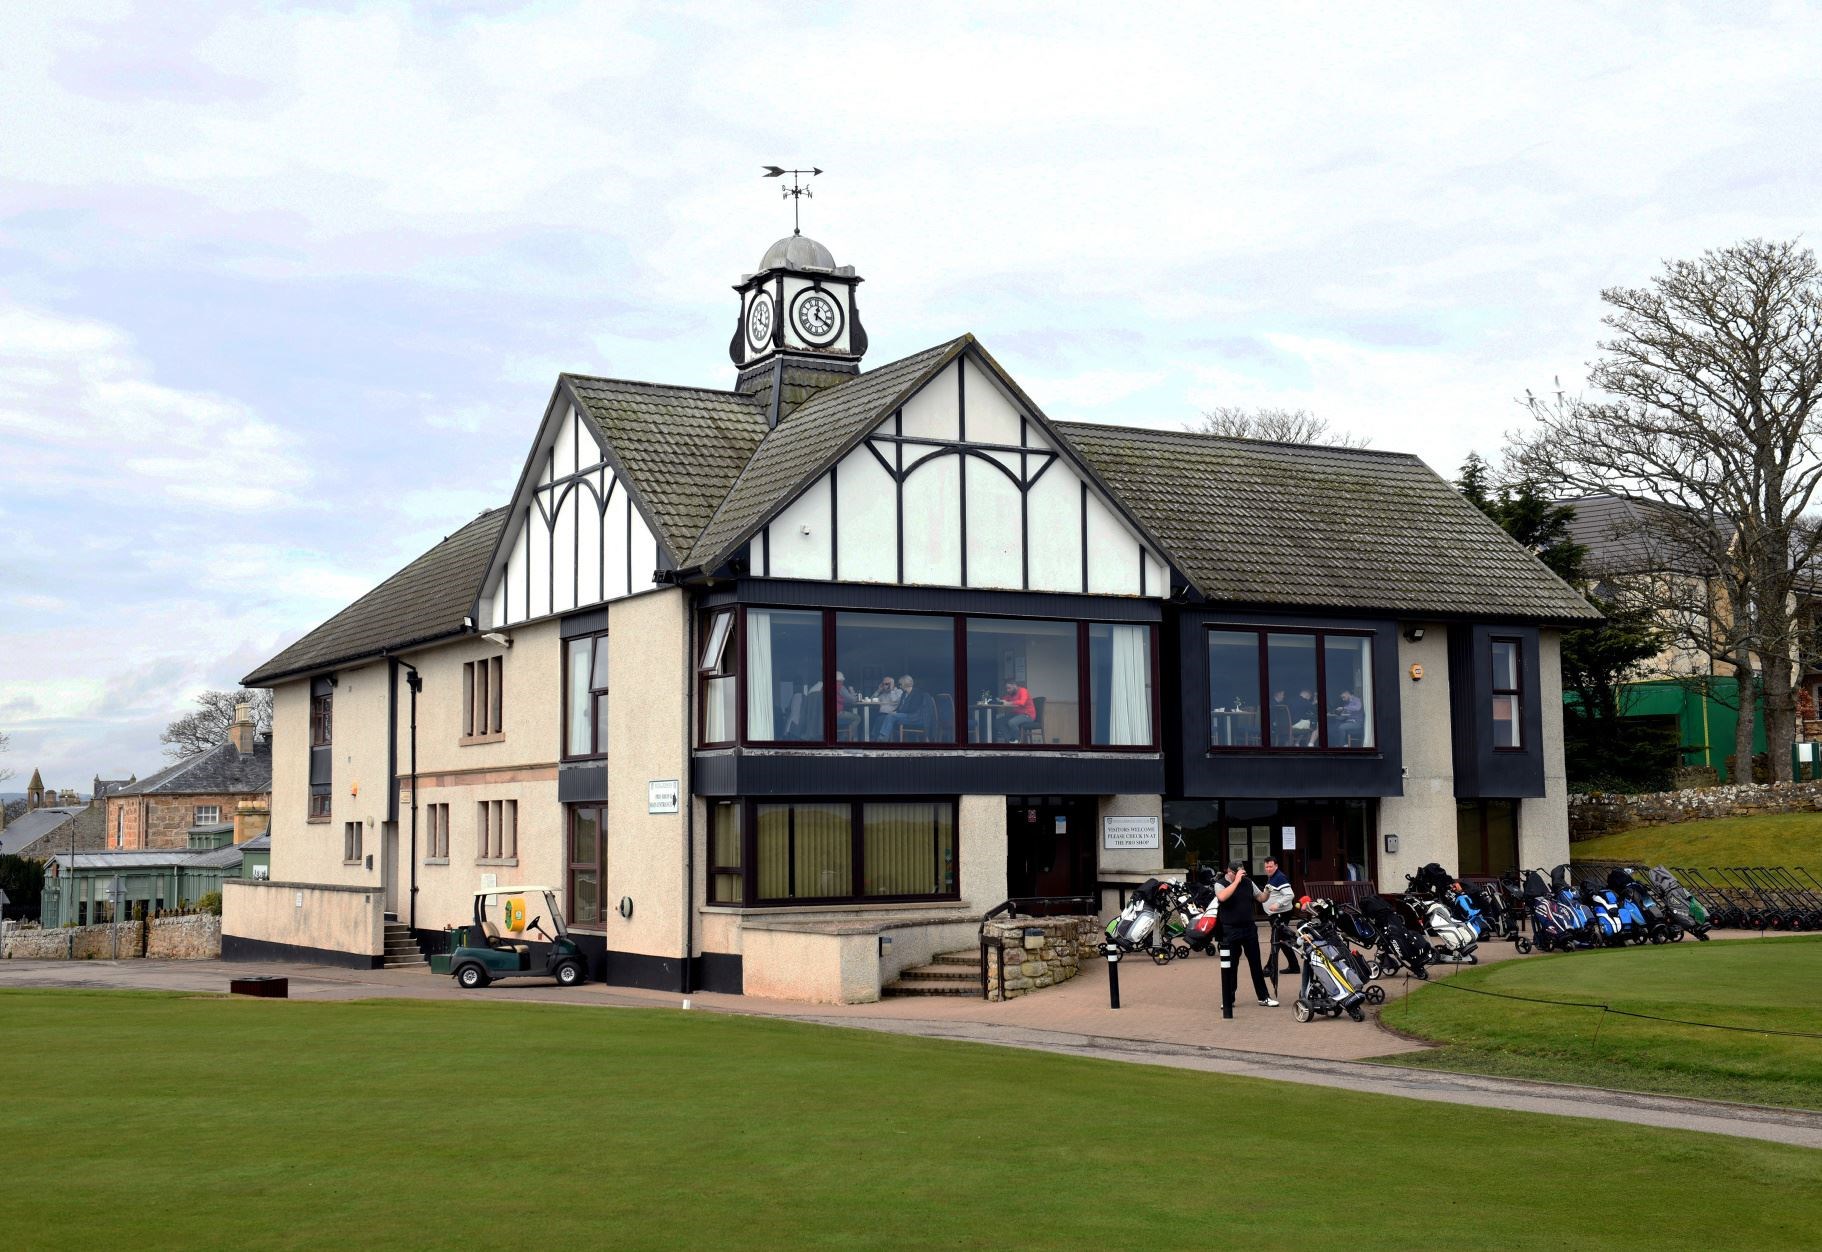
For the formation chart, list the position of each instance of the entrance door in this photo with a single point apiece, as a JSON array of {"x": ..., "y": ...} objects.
[
  {"x": 1049, "y": 846},
  {"x": 390, "y": 860}
]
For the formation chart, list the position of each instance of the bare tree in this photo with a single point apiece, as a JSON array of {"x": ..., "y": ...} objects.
[
  {"x": 209, "y": 724},
  {"x": 1277, "y": 425},
  {"x": 1711, "y": 387},
  {"x": 6, "y": 745}
]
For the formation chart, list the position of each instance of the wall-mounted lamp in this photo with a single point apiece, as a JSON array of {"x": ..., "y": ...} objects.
[
  {"x": 498, "y": 636},
  {"x": 1413, "y": 634}
]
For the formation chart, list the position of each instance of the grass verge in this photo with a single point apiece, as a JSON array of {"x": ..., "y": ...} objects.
[
  {"x": 1762, "y": 839},
  {"x": 1749, "y": 983},
  {"x": 159, "y": 1121}
]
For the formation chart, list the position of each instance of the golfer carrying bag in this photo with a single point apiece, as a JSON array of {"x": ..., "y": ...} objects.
[{"x": 1238, "y": 913}]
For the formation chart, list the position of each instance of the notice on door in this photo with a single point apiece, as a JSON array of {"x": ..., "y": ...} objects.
[
  {"x": 1289, "y": 835},
  {"x": 661, "y": 796},
  {"x": 1131, "y": 832}
]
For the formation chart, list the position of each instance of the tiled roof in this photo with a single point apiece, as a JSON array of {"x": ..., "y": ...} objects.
[
  {"x": 34, "y": 826},
  {"x": 807, "y": 442},
  {"x": 1248, "y": 521},
  {"x": 682, "y": 447},
  {"x": 1636, "y": 536},
  {"x": 425, "y": 600},
  {"x": 218, "y": 770}
]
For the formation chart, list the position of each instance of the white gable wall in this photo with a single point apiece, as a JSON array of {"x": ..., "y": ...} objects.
[
  {"x": 966, "y": 521},
  {"x": 575, "y": 538}
]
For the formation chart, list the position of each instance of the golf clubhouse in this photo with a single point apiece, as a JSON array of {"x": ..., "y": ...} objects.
[{"x": 787, "y": 684}]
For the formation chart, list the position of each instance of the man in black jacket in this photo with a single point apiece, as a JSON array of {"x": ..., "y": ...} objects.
[{"x": 1238, "y": 914}]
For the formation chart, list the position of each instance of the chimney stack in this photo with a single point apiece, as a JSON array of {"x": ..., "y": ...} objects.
[
  {"x": 240, "y": 734},
  {"x": 252, "y": 818}
]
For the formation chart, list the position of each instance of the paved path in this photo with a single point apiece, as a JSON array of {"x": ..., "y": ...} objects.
[{"x": 1170, "y": 1017}]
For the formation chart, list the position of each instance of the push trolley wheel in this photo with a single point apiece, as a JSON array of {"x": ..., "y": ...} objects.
[
  {"x": 1301, "y": 1010},
  {"x": 1521, "y": 945},
  {"x": 1375, "y": 994},
  {"x": 1356, "y": 1013}
]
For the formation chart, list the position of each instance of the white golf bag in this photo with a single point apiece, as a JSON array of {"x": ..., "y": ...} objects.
[{"x": 1455, "y": 939}]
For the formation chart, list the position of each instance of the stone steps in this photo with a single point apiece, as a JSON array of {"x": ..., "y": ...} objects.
[
  {"x": 948, "y": 974},
  {"x": 401, "y": 951}
]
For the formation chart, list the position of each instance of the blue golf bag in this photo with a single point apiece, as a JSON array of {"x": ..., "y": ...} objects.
[{"x": 1554, "y": 925}]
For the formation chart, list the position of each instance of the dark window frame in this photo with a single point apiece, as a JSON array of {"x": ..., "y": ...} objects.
[
  {"x": 1516, "y": 691},
  {"x": 599, "y": 865},
  {"x": 722, "y": 669},
  {"x": 749, "y": 851},
  {"x": 958, "y": 683},
  {"x": 1321, "y": 635},
  {"x": 597, "y": 732},
  {"x": 322, "y": 720},
  {"x": 321, "y": 808},
  {"x": 1482, "y": 809},
  {"x": 717, "y": 871}
]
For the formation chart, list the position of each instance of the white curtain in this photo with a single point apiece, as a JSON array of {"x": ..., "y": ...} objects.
[
  {"x": 759, "y": 675},
  {"x": 1129, "y": 687},
  {"x": 1366, "y": 693}
]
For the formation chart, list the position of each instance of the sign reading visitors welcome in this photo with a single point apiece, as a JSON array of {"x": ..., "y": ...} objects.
[{"x": 1131, "y": 832}]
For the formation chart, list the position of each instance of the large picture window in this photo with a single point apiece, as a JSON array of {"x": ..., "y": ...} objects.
[
  {"x": 1508, "y": 694},
  {"x": 837, "y": 678},
  {"x": 835, "y": 851},
  {"x": 585, "y": 696},
  {"x": 1285, "y": 690},
  {"x": 1023, "y": 682}
]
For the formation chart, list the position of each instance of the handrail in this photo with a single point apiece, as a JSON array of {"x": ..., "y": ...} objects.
[{"x": 1010, "y": 908}]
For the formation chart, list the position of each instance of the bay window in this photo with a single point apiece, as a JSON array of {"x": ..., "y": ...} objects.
[
  {"x": 828, "y": 851},
  {"x": 836, "y": 678},
  {"x": 1290, "y": 690}
]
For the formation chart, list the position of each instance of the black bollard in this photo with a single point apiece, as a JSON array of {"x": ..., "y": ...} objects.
[{"x": 1113, "y": 975}]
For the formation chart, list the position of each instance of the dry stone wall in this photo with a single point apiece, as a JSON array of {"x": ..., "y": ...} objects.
[
  {"x": 1591, "y": 816},
  {"x": 1037, "y": 952},
  {"x": 191, "y": 938}
]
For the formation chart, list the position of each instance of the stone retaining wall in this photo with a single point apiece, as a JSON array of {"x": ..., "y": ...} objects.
[
  {"x": 191, "y": 938},
  {"x": 1593, "y": 815},
  {"x": 1038, "y": 951}
]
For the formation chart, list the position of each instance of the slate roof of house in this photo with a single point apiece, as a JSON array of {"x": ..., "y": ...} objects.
[
  {"x": 213, "y": 771},
  {"x": 682, "y": 447},
  {"x": 34, "y": 826},
  {"x": 1250, "y": 521},
  {"x": 109, "y": 786},
  {"x": 426, "y": 600},
  {"x": 811, "y": 439},
  {"x": 1633, "y": 536}
]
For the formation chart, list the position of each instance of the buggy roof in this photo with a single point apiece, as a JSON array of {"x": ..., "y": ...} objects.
[{"x": 510, "y": 891}]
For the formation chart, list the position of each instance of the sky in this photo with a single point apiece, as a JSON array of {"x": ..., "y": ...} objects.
[{"x": 284, "y": 289}]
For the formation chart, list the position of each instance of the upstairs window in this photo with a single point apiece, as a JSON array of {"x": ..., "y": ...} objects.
[
  {"x": 319, "y": 802},
  {"x": 482, "y": 698},
  {"x": 436, "y": 832},
  {"x": 207, "y": 815},
  {"x": 585, "y": 697},
  {"x": 496, "y": 830},
  {"x": 1290, "y": 690},
  {"x": 719, "y": 681},
  {"x": 1508, "y": 694},
  {"x": 321, "y": 720}
]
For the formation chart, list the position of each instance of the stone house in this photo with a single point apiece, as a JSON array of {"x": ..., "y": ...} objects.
[
  {"x": 785, "y": 685},
  {"x": 204, "y": 789}
]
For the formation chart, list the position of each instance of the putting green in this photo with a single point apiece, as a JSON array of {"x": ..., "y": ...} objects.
[
  {"x": 161, "y": 1121},
  {"x": 1756, "y": 985}
]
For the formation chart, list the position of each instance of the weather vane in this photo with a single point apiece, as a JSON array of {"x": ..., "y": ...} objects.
[{"x": 795, "y": 192}]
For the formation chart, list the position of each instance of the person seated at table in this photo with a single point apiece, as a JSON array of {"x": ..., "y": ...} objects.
[
  {"x": 1281, "y": 719},
  {"x": 887, "y": 695},
  {"x": 1350, "y": 717},
  {"x": 915, "y": 711},
  {"x": 847, "y": 720},
  {"x": 1018, "y": 710},
  {"x": 1303, "y": 719}
]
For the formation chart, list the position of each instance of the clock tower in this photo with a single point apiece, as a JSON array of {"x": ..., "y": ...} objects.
[{"x": 799, "y": 330}]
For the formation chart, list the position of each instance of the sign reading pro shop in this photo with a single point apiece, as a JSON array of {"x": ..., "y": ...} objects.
[
  {"x": 661, "y": 795},
  {"x": 1131, "y": 832}
]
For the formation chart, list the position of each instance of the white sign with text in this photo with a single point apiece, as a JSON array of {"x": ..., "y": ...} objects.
[
  {"x": 661, "y": 796},
  {"x": 1131, "y": 832}
]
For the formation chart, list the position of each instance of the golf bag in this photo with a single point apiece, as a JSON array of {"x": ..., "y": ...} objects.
[
  {"x": 1554, "y": 924},
  {"x": 1463, "y": 904},
  {"x": 1678, "y": 904},
  {"x": 1432, "y": 882},
  {"x": 1571, "y": 899},
  {"x": 1397, "y": 946},
  {"x": 1356, "y": 927},
  {"x": 1455, "y": 939},
  {"x": 1606, "y": 913},
  {"x": 1140, "y": 925},
  {"x": 1658, "y": 926},
  {"x": 1326, "y": 918},
  {"x": 1331, "y": 985}
]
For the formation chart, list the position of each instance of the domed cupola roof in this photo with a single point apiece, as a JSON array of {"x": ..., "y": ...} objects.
[{"x": 797, "y": 252}]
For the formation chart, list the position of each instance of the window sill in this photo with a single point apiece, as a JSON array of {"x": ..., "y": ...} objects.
[
  {"x": 353, "y": 864},
  {"x": 436, "y": 860},
  {"x": 496, "y": 860},
  {"x": 468, "y": 741},
  {"x": 774, "y": 910},
  {"x": 318, "y": 821}
]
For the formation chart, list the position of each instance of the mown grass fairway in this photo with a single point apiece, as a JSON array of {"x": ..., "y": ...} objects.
[
  {"x": 1771, "y": 983},
  {"x": 1764, "y": 839},
  {"x": 154, "y": 1121}
]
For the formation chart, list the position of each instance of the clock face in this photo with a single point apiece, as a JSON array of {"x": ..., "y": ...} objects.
[
  {"x": 817, "y": 315},
  {"x": 759, "y": 322}
]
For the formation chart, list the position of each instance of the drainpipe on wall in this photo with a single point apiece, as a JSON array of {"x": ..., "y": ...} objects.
[
  {"x": 687, "y": 797},
  {"x": 416, "y": 683}
]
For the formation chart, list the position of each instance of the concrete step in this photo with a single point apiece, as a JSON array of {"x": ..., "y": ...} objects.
[
  {"x": 941, "y": 973},
  {"x": 901, "y": 987},
  {"x": 405, "y": 962},
  {"x": 971, "y": 958}
]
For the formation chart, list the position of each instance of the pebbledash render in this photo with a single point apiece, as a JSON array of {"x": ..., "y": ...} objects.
[{"x": 784, "y": 686}]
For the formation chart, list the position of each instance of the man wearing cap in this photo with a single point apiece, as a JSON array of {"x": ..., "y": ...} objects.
[{"x": 1238, "y": 915}]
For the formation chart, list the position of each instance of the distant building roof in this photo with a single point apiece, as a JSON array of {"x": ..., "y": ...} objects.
[
  {"x": 424, "y": 601},
  {"x": 35, "y": 825},
  {"x": 222, "y": 769}
]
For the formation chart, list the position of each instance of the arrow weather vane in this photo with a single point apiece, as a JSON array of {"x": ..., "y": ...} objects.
[{"x": 795, "y": 192}]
